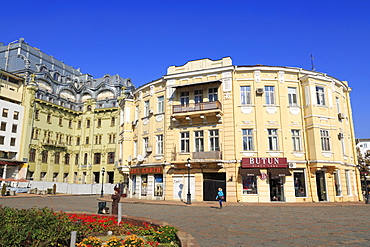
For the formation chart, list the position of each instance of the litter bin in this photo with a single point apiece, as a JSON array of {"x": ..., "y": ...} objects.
[{"x": 101, "y": 206}]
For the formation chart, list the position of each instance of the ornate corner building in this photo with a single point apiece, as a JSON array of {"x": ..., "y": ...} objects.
[
  {"x": 70, "y": 119},
  {"x": 262, "y": 133}
]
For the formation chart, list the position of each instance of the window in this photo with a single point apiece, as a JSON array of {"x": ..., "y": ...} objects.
[
  {"x": 37, "y": 114},
  {"x": 111, "y": 157},
  {"x": 32, "y": 155},
  {"x": 99, "y": 122},
  {"x": 145, "y": 144},
  {"x": 159, "y": 144},
  {"x": 198, "y": 96},
  {"x": 112, "y": 121},
  {"x": 89, "y": 107},
  {"x": 158, "y": 184},
  {"x": 299, "y": 184},
  {"x": 5, "y": 112},
  {"x": 136, "y": 112},
  {"x": 184, "y": 98},
  {"x": 160, "y": 104},
  {"x": 296, "y": 139},
  {"x": 2, "y": 140},
  {"x": 60, "y": 121},
  {"x": 79, "y": 124},
  {"x": 146, "y": 108},
  {"x": 144, "y": 184},
  {"x": 184, "y": 142},
  {"x": 343, "y": 146},
  {"x": 199, "y": 141},
  {"x": 320, "y": 96},
  {"x": 48, "y": 118},
  {"x": 270, "y": 95},
  {"x": 70, "y": 124},
  {"x": 135, "y": 149},
  {"x": 56, "y": 76},
  {"x": 3, "y": 126},
  {"x": 325, "y": 140},
  {"x": 337, "y": 102},
  {"x": 272, "y": 139},
  {"x": 245, "y": 95},
  {"x": 292, "y": 96},
  {"x": 87, "y": 140},
  {"x": 76, "y": 159},
  {"x": 249, "y": 185},
  {"x": 44, "y": 156},
  {"x": 214, "y": 140},
  {"x": 78, "y": 140},
  {"x": 88, "y": 123},
  {"x": 212, "y": 94},
  {"x": 338, "y": 186},
  {"x": 16, "y": 115},
  {"x": 66, "y": 159},
  {"x": 112, "y": 138},
  {"x": 348, "y": 183},
  {"x": 247, "y": 139},
  {"x": 56, "y": 158},
  {"x": 85, "y": 158},
  {"x": 97, "y": 157},
  {"x": 14, "y": 128},
  {"x": 12, "y": 142}
]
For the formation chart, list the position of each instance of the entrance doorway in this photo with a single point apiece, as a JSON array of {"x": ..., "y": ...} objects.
[
  {"x": 211, "y": 183},
  {"x": 321, "y": 186},
  {"x": 277, "y": 188}
]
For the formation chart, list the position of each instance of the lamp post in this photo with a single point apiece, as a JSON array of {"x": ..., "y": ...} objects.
[
  {"x": 102, "y": 178},
  {"x": 188, "y": 199},
  {"x": 364, "y": 172}
]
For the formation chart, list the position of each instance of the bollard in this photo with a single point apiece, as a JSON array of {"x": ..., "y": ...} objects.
[
  {"x": 73, "y": 238},
  {"x": 119, "y": 212}
]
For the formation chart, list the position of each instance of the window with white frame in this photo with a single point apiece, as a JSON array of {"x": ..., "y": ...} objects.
[
  {"x": 320, "y": 96},
  {"x": 212, "y": 94},
  {"x": 270, "y": 95},
  {"x": 135, "y": 149},
  {"x": 292, "y": 96},
  {"x": 245, "y": 95},
  {"x": 136, "y": 112},
  {"x": 348, "y": 183},
  {"x": 214, "y": 140},
  {"x": 250, "y": 185},
  {"x": 296, "y": 139},
  {"x": 338, "y": 186},
  {"x": 343, "y": 146},
  {"x": 184, "y": 98},
  {"x": 325, "y": 140},
  {"x": 247, "y": 139},
  {"x": 145, "y": 144},
  {"x": 199, "y": 141},
  {"x": 160, "y": 104},
  {"x": 272, "y": 139},
  {"x": 184, "y": 142},
  {"x": 198, "y": 96},
  {"x": 337, "y": 102},
  {"x": 146, "y": 108},
  {"x": 159, "y": 144}
]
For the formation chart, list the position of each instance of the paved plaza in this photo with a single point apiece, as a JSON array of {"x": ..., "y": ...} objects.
[{"x": 268, "y": 224}]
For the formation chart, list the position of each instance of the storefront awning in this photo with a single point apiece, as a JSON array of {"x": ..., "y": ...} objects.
[
  {"x": 279, "y": 172},
  {"x": 249, "y": 172},
  {"x": 10, "y": 163}
]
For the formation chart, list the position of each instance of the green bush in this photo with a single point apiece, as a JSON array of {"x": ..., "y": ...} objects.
[
  {"x": 36, "y": 227},
  {"x": 166, "y": 234}
]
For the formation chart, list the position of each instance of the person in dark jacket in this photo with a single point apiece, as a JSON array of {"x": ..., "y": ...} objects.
[{"x": 115, "y": 197}]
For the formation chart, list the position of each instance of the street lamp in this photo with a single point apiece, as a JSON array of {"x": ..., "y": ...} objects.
[
  {"x": 364, "y": 172},
  {"x": 188, "y": 199},
  {"x": 102, "y": 178}
]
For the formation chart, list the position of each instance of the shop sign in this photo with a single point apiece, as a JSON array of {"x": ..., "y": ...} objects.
[
  {"x": 264, "y": 162},
  {"x": 146, "y": 170},
  {"x": 263, "y": 176}
]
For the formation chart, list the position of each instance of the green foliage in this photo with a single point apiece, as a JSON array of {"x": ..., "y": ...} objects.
[
  {"x": 3, "y": 189},
  {"x": 166, "y": 234},
  {"x": 36, "y": 227}
]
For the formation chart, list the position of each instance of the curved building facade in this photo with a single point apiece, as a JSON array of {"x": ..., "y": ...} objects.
[{"x": 262, "y": 133}]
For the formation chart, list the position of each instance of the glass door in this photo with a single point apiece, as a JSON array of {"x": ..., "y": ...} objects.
[
  {"x": 321, "y": 186},
  {"x": 277, "y": 188}
]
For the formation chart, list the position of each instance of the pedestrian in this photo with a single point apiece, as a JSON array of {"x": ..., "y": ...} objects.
[
  {"x": 116, "y": 198},
  {"x": 220, "y": 196}
]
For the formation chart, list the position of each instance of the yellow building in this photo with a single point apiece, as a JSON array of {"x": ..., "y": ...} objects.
[{"x": 262, "y": 133}]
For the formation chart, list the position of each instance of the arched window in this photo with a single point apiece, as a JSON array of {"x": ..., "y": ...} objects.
[
  {"x": 44, "y": 156},
  {"x": 56, "y": 76},
  {"x": 66, "y": 161},
  {"x": 56, "y": 158},
  {"x": 32, "y": 155},
  {"x": 85, "y": 159}
]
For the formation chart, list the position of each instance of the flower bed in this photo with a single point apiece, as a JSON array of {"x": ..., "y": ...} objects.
[{"x": 45, "y": 227}]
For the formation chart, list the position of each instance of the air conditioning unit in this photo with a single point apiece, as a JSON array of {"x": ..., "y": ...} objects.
[
  {"x": 341, "y": 116},
  {"x": 292, "y": 165},
  {"x": 260, "y": 90},
  {"x": 148, "y": 149},
  {"x": 340, "y": 135}
]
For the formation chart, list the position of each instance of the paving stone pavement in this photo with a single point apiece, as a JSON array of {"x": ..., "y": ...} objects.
[{"x": 268, "y": 224}]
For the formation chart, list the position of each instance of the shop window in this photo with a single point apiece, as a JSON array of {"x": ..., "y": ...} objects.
[
  {"x": 299, "y": 184},
  {"x": 144, "y": 184},
  {"x": 348, "y": 183},
  {"x": 158, "y": 185},
  {"x": 338, "y": 186},
  {"x": 249, "y": 185},
  {"x": 133, "y": 184},
  {"x": 247, "y": 139},
  {"x": 32, "y": 155},
  {"x": 245, "y": 95}
]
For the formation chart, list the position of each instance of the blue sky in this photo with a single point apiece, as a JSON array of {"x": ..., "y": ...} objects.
[{"x": 140, "y": 39}]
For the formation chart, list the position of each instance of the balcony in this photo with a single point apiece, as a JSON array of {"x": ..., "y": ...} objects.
[
  {"x": 195, "y": 107},
  {"x": 210, "y": 155}
]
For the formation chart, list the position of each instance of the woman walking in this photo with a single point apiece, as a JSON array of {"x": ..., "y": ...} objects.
[{"x": 220, "y": 196}]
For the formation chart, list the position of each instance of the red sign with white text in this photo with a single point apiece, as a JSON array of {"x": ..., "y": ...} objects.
[
  {"x": 264, "y": 162},
  {"x": 146, "y": 170}
]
